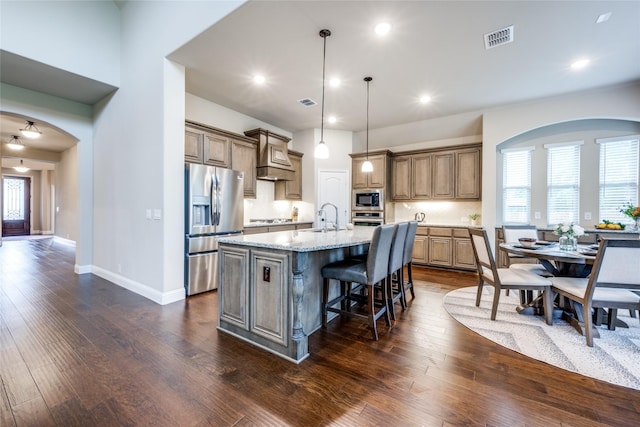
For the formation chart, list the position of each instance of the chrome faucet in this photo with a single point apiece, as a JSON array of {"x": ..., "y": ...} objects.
[{"x": 325, "y": 215}]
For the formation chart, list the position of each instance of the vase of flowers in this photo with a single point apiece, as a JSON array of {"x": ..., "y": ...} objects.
[
  {"x": 568, "y": 236},
  {"x": 632, "y": 212}
]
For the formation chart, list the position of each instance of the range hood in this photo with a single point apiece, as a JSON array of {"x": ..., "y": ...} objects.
[{"x": 273, "y": 156}]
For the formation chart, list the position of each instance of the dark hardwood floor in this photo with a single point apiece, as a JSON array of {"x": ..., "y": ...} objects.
[{"x": 79, "y": 350}]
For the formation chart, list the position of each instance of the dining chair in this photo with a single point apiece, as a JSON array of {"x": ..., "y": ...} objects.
[
  {"x": 407, "y": 256},
  {"x": 505, "y": 278},
  {"x": 394, "y": 293},
  {"x": 369, "y": 272},
  {"x": 511, "y": 234},
  {"x": 615, "y": 272}
]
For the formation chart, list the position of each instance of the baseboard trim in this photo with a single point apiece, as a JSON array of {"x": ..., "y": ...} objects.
[
  {"x": 161, "y": 298},
  {"x": 64, "y": 241}
]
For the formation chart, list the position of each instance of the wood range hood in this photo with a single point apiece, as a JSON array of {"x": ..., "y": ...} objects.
[{"x": 273, "y": 156}]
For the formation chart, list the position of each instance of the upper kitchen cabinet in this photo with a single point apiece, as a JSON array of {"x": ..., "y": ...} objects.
[
  {"x": 468, "y": 173},
  {"x": 291, "y": 190},
  {"x": 202, "y": 145},
  {"x": 244, "y": 158},
  {"x": 375, "y": 179},
  {"x": 448, "y": 173},
  {"x": 216, "y": 147}
]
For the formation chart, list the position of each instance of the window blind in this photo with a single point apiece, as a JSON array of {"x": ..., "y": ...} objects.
[
  {"x": 618, "y": 177},
  {"x": 516, "y": 185},
  {"x": 563, "y": 183}
]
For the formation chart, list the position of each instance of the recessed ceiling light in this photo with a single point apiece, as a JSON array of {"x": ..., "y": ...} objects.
[
  {"x": 383, "y": 28},
  {"x": 603, "y": 18},
  {"x": 334, "y": 82},
  {"x": 259, "y": 79},
  {"x": 332, "y": 119},
  {"x": 425, "y": 99},
  {"x": 578, "y": 65}
]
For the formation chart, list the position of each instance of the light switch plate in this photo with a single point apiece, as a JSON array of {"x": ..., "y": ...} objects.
[
  {"x": 537, "y": 215},
  {"x": 148, "y": 214},
  {"x": 156, "y": 214},
  {"x": 587, "y": 215}
]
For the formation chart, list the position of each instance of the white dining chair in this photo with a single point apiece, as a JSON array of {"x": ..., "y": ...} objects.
[
  {"x": 616, "y": 271},
  {"x": 506, "y": 278}
]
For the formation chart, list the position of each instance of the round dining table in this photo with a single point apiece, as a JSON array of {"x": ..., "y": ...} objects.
[{"x": 557, "y": 262}]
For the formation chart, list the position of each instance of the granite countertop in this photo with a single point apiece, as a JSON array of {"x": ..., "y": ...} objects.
[
  {"x": 268, "y": 223},
  {"x": 427, "y": 224},
  {"x": 306, "y": 240}
]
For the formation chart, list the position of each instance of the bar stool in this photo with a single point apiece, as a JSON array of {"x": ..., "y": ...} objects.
[
  {"x": 367, "y": 272},
  {"x": 406, "y": 261},
  {"x": 395, "y": 266}
]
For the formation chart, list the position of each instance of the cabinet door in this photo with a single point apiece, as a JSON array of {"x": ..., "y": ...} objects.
[
  {"x": 440, "y": 251},
  {"x": 401, "y": 173},
  {"x": 269, "y": 292},
  {"x": 378, "y": 178},
  {"x": 421, "y": 172},
  {"x": 443, "y": 177},
  {"x": 358, "y": 178},
  {"x": 193, "y": 146},
  {"x": 234, "y": 285},
  {"x": 420, "y": 250},
  {"x": 291, "y": 190},
  {"x": 244, "y": 158},
  {"x": 463, "y": 256},
  {"x": 468, "y": 175},
  {"x": 217, "y": 150}
]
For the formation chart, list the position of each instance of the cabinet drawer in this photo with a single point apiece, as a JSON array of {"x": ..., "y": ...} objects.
[
  {"x": 422, "y": 231},
  {"x": 445, "y": 232},
  {"x": 461, "y": 232}
]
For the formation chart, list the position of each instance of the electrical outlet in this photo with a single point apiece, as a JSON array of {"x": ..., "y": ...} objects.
[
  {"x": 537, "y": 215},
  {"x": 587, "y": 215},
  {"x": 266, "y": 274}
]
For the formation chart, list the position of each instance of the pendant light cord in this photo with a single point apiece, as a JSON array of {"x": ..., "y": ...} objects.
[
  {"x": 324, "y": 34},
  {"x": 368, "y": 80}
]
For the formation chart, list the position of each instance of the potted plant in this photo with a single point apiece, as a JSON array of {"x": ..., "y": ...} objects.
[{"x": 474, "y": 218}]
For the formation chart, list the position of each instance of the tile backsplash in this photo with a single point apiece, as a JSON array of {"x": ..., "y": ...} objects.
[
  {"x": 439, "y": 212},
  {"x": 265, "y": 207}
]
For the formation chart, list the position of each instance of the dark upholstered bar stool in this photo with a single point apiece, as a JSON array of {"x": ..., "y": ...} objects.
[
  {"x": 395, "y": 265},
  {"x": 406, "y": 260},
  {"x": 367, "y": 272}
]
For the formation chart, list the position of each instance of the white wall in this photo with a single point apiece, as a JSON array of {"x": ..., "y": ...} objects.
[
  {"x": 66, "y": 199},
  {"x": 64, "y": 34}
]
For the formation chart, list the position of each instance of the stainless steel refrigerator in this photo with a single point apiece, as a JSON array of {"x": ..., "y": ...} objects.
[{"x": 214, "y": 207}]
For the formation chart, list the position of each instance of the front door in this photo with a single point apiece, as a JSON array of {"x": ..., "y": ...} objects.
[{"x": 16, "y": 206}]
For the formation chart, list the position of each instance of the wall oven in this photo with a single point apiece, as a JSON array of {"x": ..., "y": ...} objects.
[
  {"x": 367, "y": 200},
  {"x": 367, "y": 218}
]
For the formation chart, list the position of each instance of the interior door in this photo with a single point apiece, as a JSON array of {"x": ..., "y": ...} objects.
[
  {"x": 16, "y": 206},
  {"x": 334, "y": 187}
]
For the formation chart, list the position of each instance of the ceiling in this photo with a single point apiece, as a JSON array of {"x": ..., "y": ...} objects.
[{"x": 434, "y": 48}]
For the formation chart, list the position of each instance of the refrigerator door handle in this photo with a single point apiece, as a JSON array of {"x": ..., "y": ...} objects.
[
  {"x": 212, "y": 209},
  {"x": 217, "y": 200}
]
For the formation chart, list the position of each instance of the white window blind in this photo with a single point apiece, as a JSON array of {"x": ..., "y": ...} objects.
[
  {"x": 563, "y": 182},
  {"x": 618, "y": 177},
  {"x": 516, "y": 186}
]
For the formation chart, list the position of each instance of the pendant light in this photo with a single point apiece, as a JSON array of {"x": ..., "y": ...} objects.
[
  {"x": 367, "y": 166},
  {"x": 322, "y": 151},
  {"x": 15, "y": 143},
  {"x": 22, "y": 168},
  {"x": 31, "y": 131}
]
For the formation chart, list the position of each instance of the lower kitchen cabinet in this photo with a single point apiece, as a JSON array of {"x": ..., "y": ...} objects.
[
  {"x": 445, "y": 247},
  {"x": 234, "y": 300},
  {"x": 255, "y": 292},
  {"x": 269, "y": 289}
]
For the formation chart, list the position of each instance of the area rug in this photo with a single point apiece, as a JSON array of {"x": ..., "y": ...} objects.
[{"x": 614, "y": 357}]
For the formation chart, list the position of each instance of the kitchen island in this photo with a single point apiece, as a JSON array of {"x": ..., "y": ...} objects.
[{"x": 270, "y": 291}]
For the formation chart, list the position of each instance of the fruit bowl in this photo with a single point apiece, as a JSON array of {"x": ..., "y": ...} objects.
[
  {"x": 527, "y": 242},
  {"x": 609, "y": 225}
]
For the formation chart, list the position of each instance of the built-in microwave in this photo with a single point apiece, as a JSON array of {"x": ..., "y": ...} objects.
[{"x": 367, "y": 200}]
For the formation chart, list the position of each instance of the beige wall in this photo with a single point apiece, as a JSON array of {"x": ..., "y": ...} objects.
[{"x": 66, "y": 197}]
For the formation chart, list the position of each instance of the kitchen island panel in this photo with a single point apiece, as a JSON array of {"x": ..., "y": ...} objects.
[{"x": 285, "y": 310}]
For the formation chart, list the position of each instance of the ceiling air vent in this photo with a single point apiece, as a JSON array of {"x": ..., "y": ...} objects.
[
  {"x": 498, "y": 38},
  {"x": 307, "y": 102}
]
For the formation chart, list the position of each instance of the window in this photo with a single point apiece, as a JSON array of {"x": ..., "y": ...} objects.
[
  {"x": 618, "y": 176},
  {"x": 516, "y": 185},
  {"x": 563, "y": 182}
]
